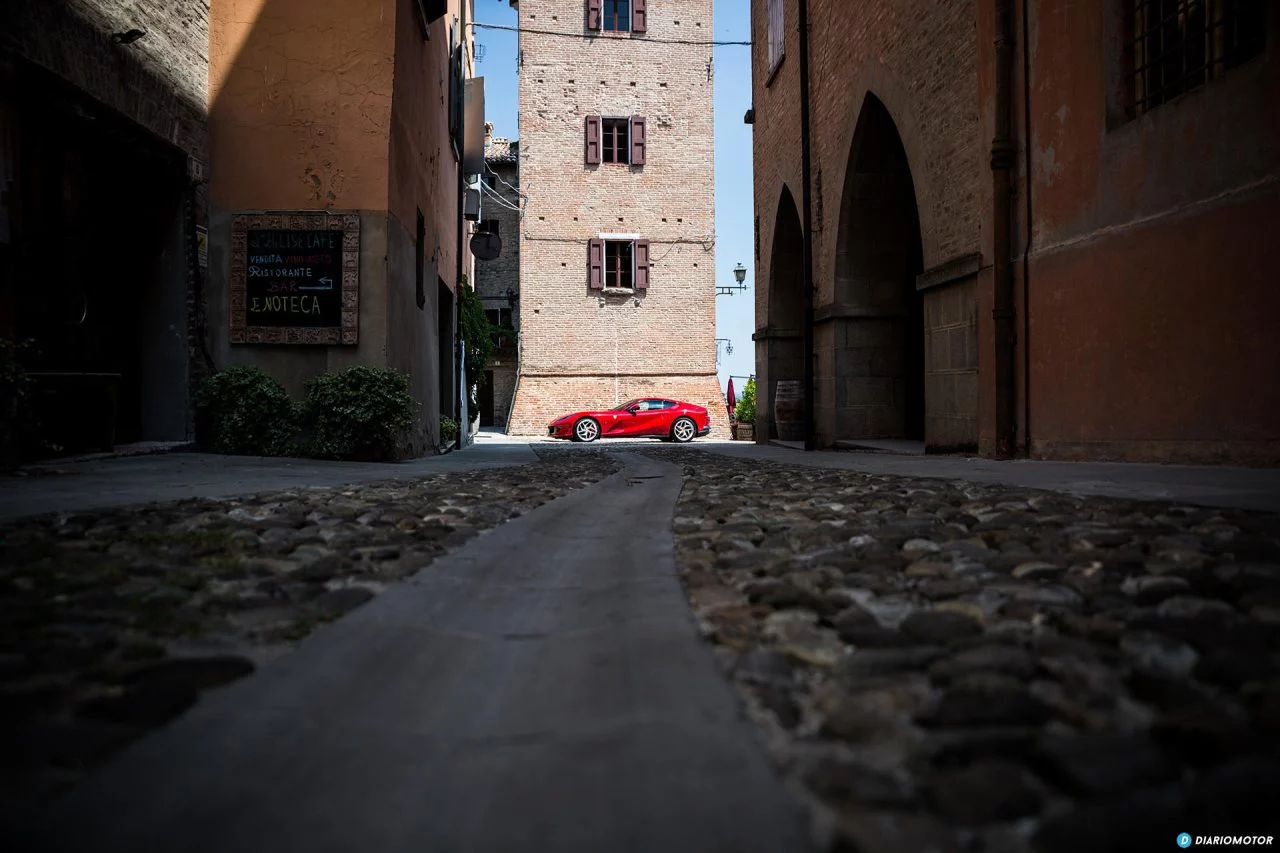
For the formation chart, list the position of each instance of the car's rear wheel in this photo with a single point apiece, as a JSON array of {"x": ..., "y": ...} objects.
[
  {"x": 684, "y": 430},
  {"x": 586, "y": 430}
]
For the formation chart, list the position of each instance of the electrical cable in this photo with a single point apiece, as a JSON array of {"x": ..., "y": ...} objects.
[{"x": 654, "y": 40}]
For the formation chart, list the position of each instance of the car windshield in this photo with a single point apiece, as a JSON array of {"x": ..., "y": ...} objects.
[{"x": 624, "y": 406}]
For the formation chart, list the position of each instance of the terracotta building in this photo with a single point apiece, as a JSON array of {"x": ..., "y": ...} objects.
[
  {"x": 498, "y": 279},
  {"x": 187, "y": 186},
  {"x": 350, "y": 180},
  {"x": 1033, "y": 230},
  {"x": 103, "y": 146},
  {"x": 617, "y": 251}
]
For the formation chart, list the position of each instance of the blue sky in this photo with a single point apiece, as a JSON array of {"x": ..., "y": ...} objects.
[{"x": 735, "y": 315}]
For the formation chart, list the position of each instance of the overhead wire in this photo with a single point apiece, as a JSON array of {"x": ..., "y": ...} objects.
[{"x": 651, "y": 39}]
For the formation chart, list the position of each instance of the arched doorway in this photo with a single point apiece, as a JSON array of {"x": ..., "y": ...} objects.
[
  {"x": 784, "y": 333},
  {"x": 879, "y": 358}
]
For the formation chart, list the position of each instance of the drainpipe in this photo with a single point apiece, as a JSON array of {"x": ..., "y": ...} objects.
[
  {"x": 1026, "y": 250},
  {"x": 1002, "y": 161},
  {"x": 806, "y": 169},
  {"x": 459, "y": 343}
]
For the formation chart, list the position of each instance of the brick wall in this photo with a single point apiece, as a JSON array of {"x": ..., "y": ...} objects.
[
  {"x": 919, "y": 59},
  {"x": 494, "y": 278},
  {"x": 160, "y": 81},
  {"x": 582, "y": 348}
]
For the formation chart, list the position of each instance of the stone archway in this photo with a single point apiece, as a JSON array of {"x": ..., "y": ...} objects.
[
  {"x": 784, "y": 334},
  {"x": 879, "y": 339}
]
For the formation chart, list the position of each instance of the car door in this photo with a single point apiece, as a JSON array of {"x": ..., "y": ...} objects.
[
  {"x": 653, "y": 418},
  {"x": 639, "y": 420},
  {"x": 666, "y": 412}
]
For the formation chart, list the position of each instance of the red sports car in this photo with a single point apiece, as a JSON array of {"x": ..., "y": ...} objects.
[{"x": 653, "y": 418}]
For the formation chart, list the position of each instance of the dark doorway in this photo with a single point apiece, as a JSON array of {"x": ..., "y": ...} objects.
[
  {"x": 486, "y": 400},
  {"x": 879, "y": 361},
  {"x": 785, "y": 336},
  {"x": 101, "y": 269},
  {"x": 445, "y": 327}
]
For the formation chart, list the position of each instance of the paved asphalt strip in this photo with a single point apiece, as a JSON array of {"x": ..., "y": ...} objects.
[{"x": 541, "y": 689}]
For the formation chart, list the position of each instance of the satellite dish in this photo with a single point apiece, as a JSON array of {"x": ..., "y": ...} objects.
[{"x": 486, "y": 246}]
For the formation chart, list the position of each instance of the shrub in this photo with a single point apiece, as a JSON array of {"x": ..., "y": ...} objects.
[
  {"x": 242, "y": 410},
  {"x": 359, "y": 413},
  {"x": 448, "y": 429},
  {"x": 477, "y": 336},
  {"x": 746, "y": 409},
  {"x": 19, "y": 427}
]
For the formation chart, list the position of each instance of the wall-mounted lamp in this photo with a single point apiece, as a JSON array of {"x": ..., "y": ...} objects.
[
  {"x": 128, "y": 36},
  {"x": 512, "y": 298},
  {"x": 739, "y": 275}
]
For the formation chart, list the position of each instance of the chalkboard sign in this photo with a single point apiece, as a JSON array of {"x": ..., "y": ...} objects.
[{"x": 295, "y": 278}]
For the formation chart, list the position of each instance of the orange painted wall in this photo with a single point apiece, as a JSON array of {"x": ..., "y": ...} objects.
[
  {"x": 1163, "y": 336},
  {"x": 1152, "y": 268},
  {"x": 300, "y": 103},
  {"x": 423, "y": 173}
]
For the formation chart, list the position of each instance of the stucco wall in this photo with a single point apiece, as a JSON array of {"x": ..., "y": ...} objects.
[
  {"x": 1145, "y": 319},
  {"x": 288, "y": 130},
  {"x": 422, "y": 176}
]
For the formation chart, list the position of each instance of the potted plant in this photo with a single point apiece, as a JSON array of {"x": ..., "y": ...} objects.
[{"x": 745, "y": 414}]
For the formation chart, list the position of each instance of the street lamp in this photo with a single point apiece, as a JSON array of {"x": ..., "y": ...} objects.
[
  {"x": 728, "y": 348},
  {"x": 740, "y": 275}
]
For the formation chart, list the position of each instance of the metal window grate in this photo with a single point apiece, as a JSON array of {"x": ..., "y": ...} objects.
[{"x": 1176, "y": 45}]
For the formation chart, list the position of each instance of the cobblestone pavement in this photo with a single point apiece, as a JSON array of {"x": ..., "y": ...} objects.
[
  {"x": 950, "y": 666},
  {"x": 113, "y": 621}
]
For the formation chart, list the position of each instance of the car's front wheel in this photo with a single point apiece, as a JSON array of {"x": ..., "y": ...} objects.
[
  {"x": 586, "y": 430},
  {"x": 684, "y": 430}
]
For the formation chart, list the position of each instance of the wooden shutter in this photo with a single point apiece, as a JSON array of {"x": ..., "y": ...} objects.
[
  {"x": 593, "y": 14},
  {"x": 638, "y": 141},
  {"x": 593, "y": 140},
  {"x": 595, "y": 263},
  {"x": 639, "y": 16},
  {"x": 642, "y": 265}
]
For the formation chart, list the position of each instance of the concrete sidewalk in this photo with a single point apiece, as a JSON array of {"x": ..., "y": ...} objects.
[
  {"x": 1241, "y": 488},
  {"x": 541, "y": 690},
  {"x": 101, "y": 483}
]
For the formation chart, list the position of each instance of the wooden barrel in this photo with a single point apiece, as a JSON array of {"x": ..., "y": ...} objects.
[{"x": 788, "y": 409}]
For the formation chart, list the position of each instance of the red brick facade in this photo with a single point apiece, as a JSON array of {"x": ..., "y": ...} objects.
[
  {"x": 1142, "y": 276},
  {"x": 583, "y": 347}
]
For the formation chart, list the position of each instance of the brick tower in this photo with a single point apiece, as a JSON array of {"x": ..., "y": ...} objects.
[{"x": 617, "y": 251}]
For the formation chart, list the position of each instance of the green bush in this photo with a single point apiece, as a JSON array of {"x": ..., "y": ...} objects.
[
  {"x": 448, "y": 429},
  {"x": 359, "y": 413},
  {"x": 19, "y": 428},
  {"x": 477, "y": 337},
  {"x": 242, "y": 410},
  {"x": 745, "y": 413}
]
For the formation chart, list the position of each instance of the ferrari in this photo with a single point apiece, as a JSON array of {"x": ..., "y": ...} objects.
[{"x": 669, "y": 420}]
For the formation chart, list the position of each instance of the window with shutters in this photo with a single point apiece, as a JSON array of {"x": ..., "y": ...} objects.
[
  {"x": 618, "y": 16},
  {"x": 777, "y": 37},
  {"x": 618, "y": 264},
  {"x": 616, "y": 140}
]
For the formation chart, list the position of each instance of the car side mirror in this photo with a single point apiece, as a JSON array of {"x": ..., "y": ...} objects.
[{"x": 633, "y": 409}]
